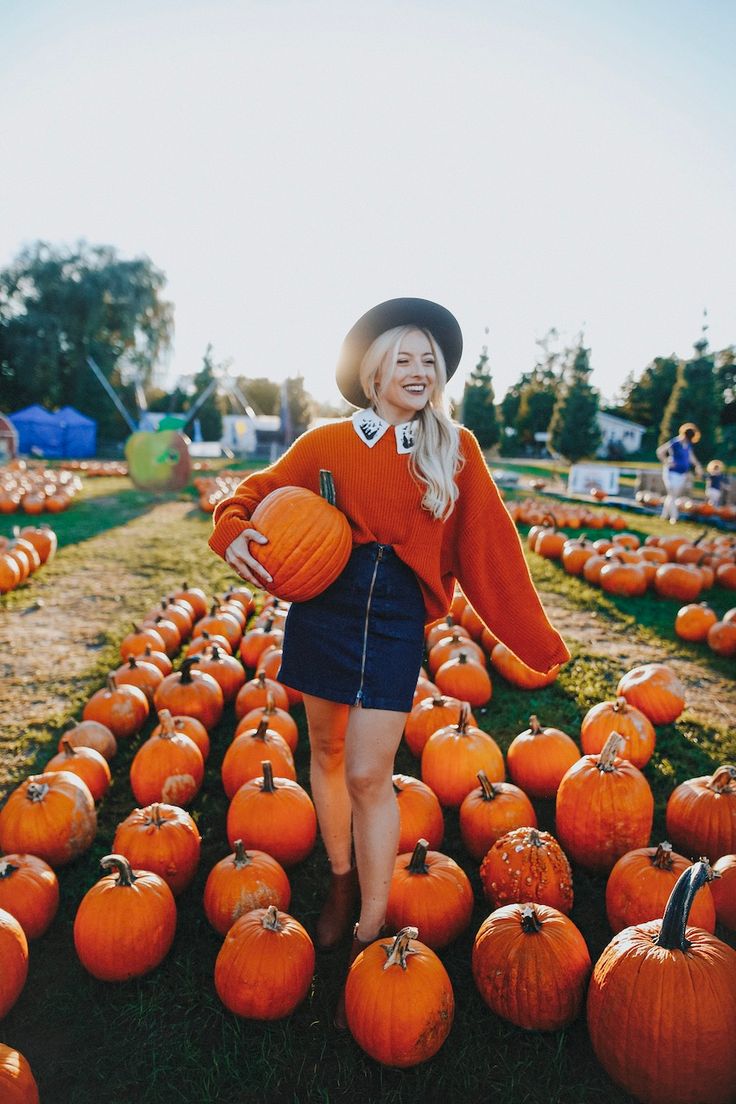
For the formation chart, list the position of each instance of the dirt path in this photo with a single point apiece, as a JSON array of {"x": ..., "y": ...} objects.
[
  {"x": 46, "y": 646},
  {"x": 710, "y": 698}
]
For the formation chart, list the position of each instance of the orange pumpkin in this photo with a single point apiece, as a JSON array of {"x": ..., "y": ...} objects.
[
  {"x": 527, "y": 865},
  {"x": 693, "y": 621},
  {"x": 723, "y": 890},
  {"x": 640, "y": 884},
  {"x": 453, "y": 756},
  {"x": 309, "y": 540},
  {"x": 91, "y": 767},
  {"x": 167, "y": 767},
  {"x": 420, "y": 813},
  {"x": 274, "y": 815},
  {"x": 279, "y": 720},
  {"x": 14, "y": 957},
  {"x": 192, "y": 728},
  {"x": 29, "y": 891},
  {"x": 399, "y": 1002},
  {"x": 655, "y": 689},
  {"x": 636, "y": 730},
  {"x": 241, "y": 882},
  {"x": 191, "y": 692},
  {"x": 539, "y": 757},
  {"x": 243, "y": 758},
  {"x": 265, "y": 966},
  {"x": 721, "y": 637},
  {"x": 49, "y": 815},
  {"x": 434, "y": 891},
  {"x": 604, "y": 808},
  {"x": 701, "y": 814},
  {"x": 463, "y": 678},
  {"x": 125, "y": 923},
  {"x": 91, "y": 734},
  {"x": 255, "y": 693},
  {"x": 429, "y": 715},
  {"x": 224, "y": 669},
  {"x": 531, "y": 966},
  {"x": 17, "y": 1083},
  {"x": 679, "y": 581},
  {"x": 161, "y": 838},
  {"x": 123, "y": 709},
  {"x": 491, "y": 810},
  {"x": 136, "y": 671}
]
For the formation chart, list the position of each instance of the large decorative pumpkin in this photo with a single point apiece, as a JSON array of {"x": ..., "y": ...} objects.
[
  {"x": 420, "y": 813},
  {"x": 491, "y": 810},
  {"x": 701, "y": 814},
  {"x": 161, "y": 838},
  {"x": 432, "y": 890},
  {"x": 50, "y": 815},
  {"x": 453, "y": 756},
  {"x": 241, "y": 882},
  {"x": 167, "y": 767},
  {"x": 604, "y": 808},
  {"x": 399, "y": 1002},
  {"x": 527, "y": 865},
  {"x": 125, "y": 923},
  {"x": 17, "y": 1083},
  {"x": 14, "y": 960},
  {"x": 531, "y": 966},
  {"x": 309, "y": 540},
  {"x": 640, "y": 884},
  {"x": 274, "y": 815},
  {"x": 265, "y": 966},
  {"x": 662, "y": 1007},
  {"x": 635, "y": 729},
  {"x": 538, "y": 758},
  {"x": 655, "y": 689},
  {"x": 29, "y": 891}
]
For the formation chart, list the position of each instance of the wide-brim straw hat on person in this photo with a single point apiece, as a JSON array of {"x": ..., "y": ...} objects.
[
  {"x": 422, "y": 313},
  {"x": 693, "y": 427},
  {"x": 715, "y": 467}
]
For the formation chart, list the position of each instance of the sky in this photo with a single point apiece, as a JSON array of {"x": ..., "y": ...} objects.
[{"x": 289, "y": 163}]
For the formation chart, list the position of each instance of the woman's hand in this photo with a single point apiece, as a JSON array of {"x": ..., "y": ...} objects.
[{"x": 238, "y": 555}]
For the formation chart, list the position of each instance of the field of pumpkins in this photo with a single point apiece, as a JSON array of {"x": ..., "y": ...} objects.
[{"x": 161, "y": 868}]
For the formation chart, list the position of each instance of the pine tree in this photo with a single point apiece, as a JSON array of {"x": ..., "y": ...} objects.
[
  {"x": 696, "y": 398},
  {"x": 479, "y": 410},
  {"x": 574, "y": 429}
]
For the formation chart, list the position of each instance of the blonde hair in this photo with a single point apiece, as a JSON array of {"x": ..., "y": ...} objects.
[{"x": 435, "y": 459}]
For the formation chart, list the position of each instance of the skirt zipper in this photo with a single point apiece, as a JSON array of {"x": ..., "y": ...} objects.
[{"x": 379, "y": 557}]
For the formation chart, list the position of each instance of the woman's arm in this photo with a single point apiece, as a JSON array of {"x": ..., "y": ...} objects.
[{"x": 663, "y": 452}]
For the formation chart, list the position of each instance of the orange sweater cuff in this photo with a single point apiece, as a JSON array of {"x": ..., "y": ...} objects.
[{"x": 225, "y": 532}]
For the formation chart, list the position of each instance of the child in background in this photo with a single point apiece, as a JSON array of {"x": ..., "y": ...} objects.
[{"x": 715, "y": 481}]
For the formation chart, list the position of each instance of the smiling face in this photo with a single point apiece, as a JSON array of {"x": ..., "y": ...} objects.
[{"x": 408, "y": 388}]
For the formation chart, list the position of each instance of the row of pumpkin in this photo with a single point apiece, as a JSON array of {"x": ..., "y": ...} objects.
[
  {"x": 36, "y": 489},
  {"x": 459, "y": 737},
  {"x": 24, "y": 553}
]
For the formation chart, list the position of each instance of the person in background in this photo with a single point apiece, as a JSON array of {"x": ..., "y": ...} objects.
[
  {"x": 678, "y": 459},
  {"x": 715, "y": 481},
  {"x": 424, "y": 511}
]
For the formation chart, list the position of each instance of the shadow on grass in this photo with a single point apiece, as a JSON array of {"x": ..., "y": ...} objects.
[{"x": 87, "y": 518}]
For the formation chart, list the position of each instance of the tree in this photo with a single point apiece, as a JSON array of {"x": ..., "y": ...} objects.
[
  {"x": 478, "y": 409},
  {"x": 58, "y": 306},
  {"x": 644, "y": 399},
  {"x": 528, "y": 404},
  {"x": 695, "y": 398},
  {"x": 295, "y": 410},
  {"x": 726, "y": 383},
  {"x": 262, "y": 393},
  {"x": 209, "y": 414},
  {"x": 574, "y": 429}
]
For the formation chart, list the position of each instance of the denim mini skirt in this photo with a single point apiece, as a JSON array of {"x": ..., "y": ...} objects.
[{"x": 361, "y": 641}]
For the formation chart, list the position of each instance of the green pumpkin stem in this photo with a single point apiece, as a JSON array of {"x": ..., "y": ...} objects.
[
  {"x": 327, "y": 486},
  {"x": 398, "y": 951},
  {"x": 418, "y": 862},
  {"x": 672, "y": 933},
  {"x": 120, "y": 866}
]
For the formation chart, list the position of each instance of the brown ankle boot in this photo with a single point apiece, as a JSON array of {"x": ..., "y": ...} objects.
[
  {"x": 356, "y": 947},
  {"x": 336, "y": 918}
]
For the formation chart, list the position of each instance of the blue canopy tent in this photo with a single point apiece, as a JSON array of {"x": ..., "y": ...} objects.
[
  {"x": 79, "y": 433},
  {"x": 65, "y": 434}
]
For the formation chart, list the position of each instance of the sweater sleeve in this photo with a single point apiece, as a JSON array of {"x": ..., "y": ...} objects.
[
  {"x": 490, "y": 566},
  {"x": 298, "y": 467}
]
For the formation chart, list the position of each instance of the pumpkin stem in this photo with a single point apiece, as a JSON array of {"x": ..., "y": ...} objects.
[
  {"x": 269, "y": 785},
  {"x": 68, "y": 747},
  {"x": 608, "y": 753},
  {"x": 186, "y": 669},
  {"x": 662, "y": 858},
  {"x": 112, "y": 683},
  {"x": 37, "y": 791},
  {"x": 418, "y": 862},
  {"x": 261, "y": 680},
  {"x": 154, "y": 815},
  {"x": 672, "y": 933},
  {"x": 168, "y": 728},
  {"x": 722, "y": 779},
  {"x": 487, "y": 791},
  {"x": 260, "y": 732},
  {"x": 462, "y": 721},
  {"x": 327, "y": 486},
  {"x": 120, "y": 866},
  {"x": 398, "y": 951},
  {"x": 270, "y": 708},
  {"x": 132, "y": 662},
  {"x": 439, "y": 700},
  {"x": 620, "y": 705},
  {"x": 534, "y": 838},
  {"x": 271, "y": 919},
  {"x": 241, "y": 858},
  {"x": 534, "y": 726},
  {"x": 530, "y": 922},
  {"x": 7, "y": 868}
]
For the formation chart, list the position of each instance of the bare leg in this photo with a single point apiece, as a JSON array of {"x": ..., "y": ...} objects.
[
  {"x": 371, "y": 741},
  {"x": 327, "y": 723}
]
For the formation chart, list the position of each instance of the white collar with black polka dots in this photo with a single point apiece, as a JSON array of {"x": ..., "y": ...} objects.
[{"x": 371, "y": 427}]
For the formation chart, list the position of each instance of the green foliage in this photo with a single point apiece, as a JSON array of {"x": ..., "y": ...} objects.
[
  {"x": 478, "y": 409},
  {"x": 573, "y": 428},
  {"x": 262, "y": 393},
  {"x": 58, "y": 306},
  {"x": 296, "y": 408},
  {"x": 695, "y": 398},
  {"x": 210, "y": 412},
  {"x": 643, "y": 400}
]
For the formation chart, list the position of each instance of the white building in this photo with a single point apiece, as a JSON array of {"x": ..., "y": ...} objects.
[
  {"x": 243, "y": 434},
  {"x": 618, "y": 434}
]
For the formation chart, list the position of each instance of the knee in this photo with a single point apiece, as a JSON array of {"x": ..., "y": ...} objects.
[
  {"x": 367, "y": 784},
  {"x": 327, "y": 751}
]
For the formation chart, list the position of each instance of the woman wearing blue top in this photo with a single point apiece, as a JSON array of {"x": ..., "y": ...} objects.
[{"x": 678, "y": 458}]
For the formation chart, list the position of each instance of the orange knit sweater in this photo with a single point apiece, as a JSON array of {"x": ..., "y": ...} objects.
[{"x": 478, "y": 544}]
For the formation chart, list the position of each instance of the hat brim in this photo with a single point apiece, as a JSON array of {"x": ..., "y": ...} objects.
[{"x": 423, "y": 313}]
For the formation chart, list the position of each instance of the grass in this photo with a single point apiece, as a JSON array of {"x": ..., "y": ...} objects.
[{"x": 167, "y": 1039}]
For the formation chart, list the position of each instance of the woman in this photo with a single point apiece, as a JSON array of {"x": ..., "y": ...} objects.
[
  {"x": 678, "y": 458},
  {"x": 423, "y": 511}
]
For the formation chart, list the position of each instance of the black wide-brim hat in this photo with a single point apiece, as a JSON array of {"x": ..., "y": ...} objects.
[{"x": 423, "y": 313}]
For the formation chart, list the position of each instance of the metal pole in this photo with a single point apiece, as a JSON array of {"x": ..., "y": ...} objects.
[{"x": 111, "y": 392}]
